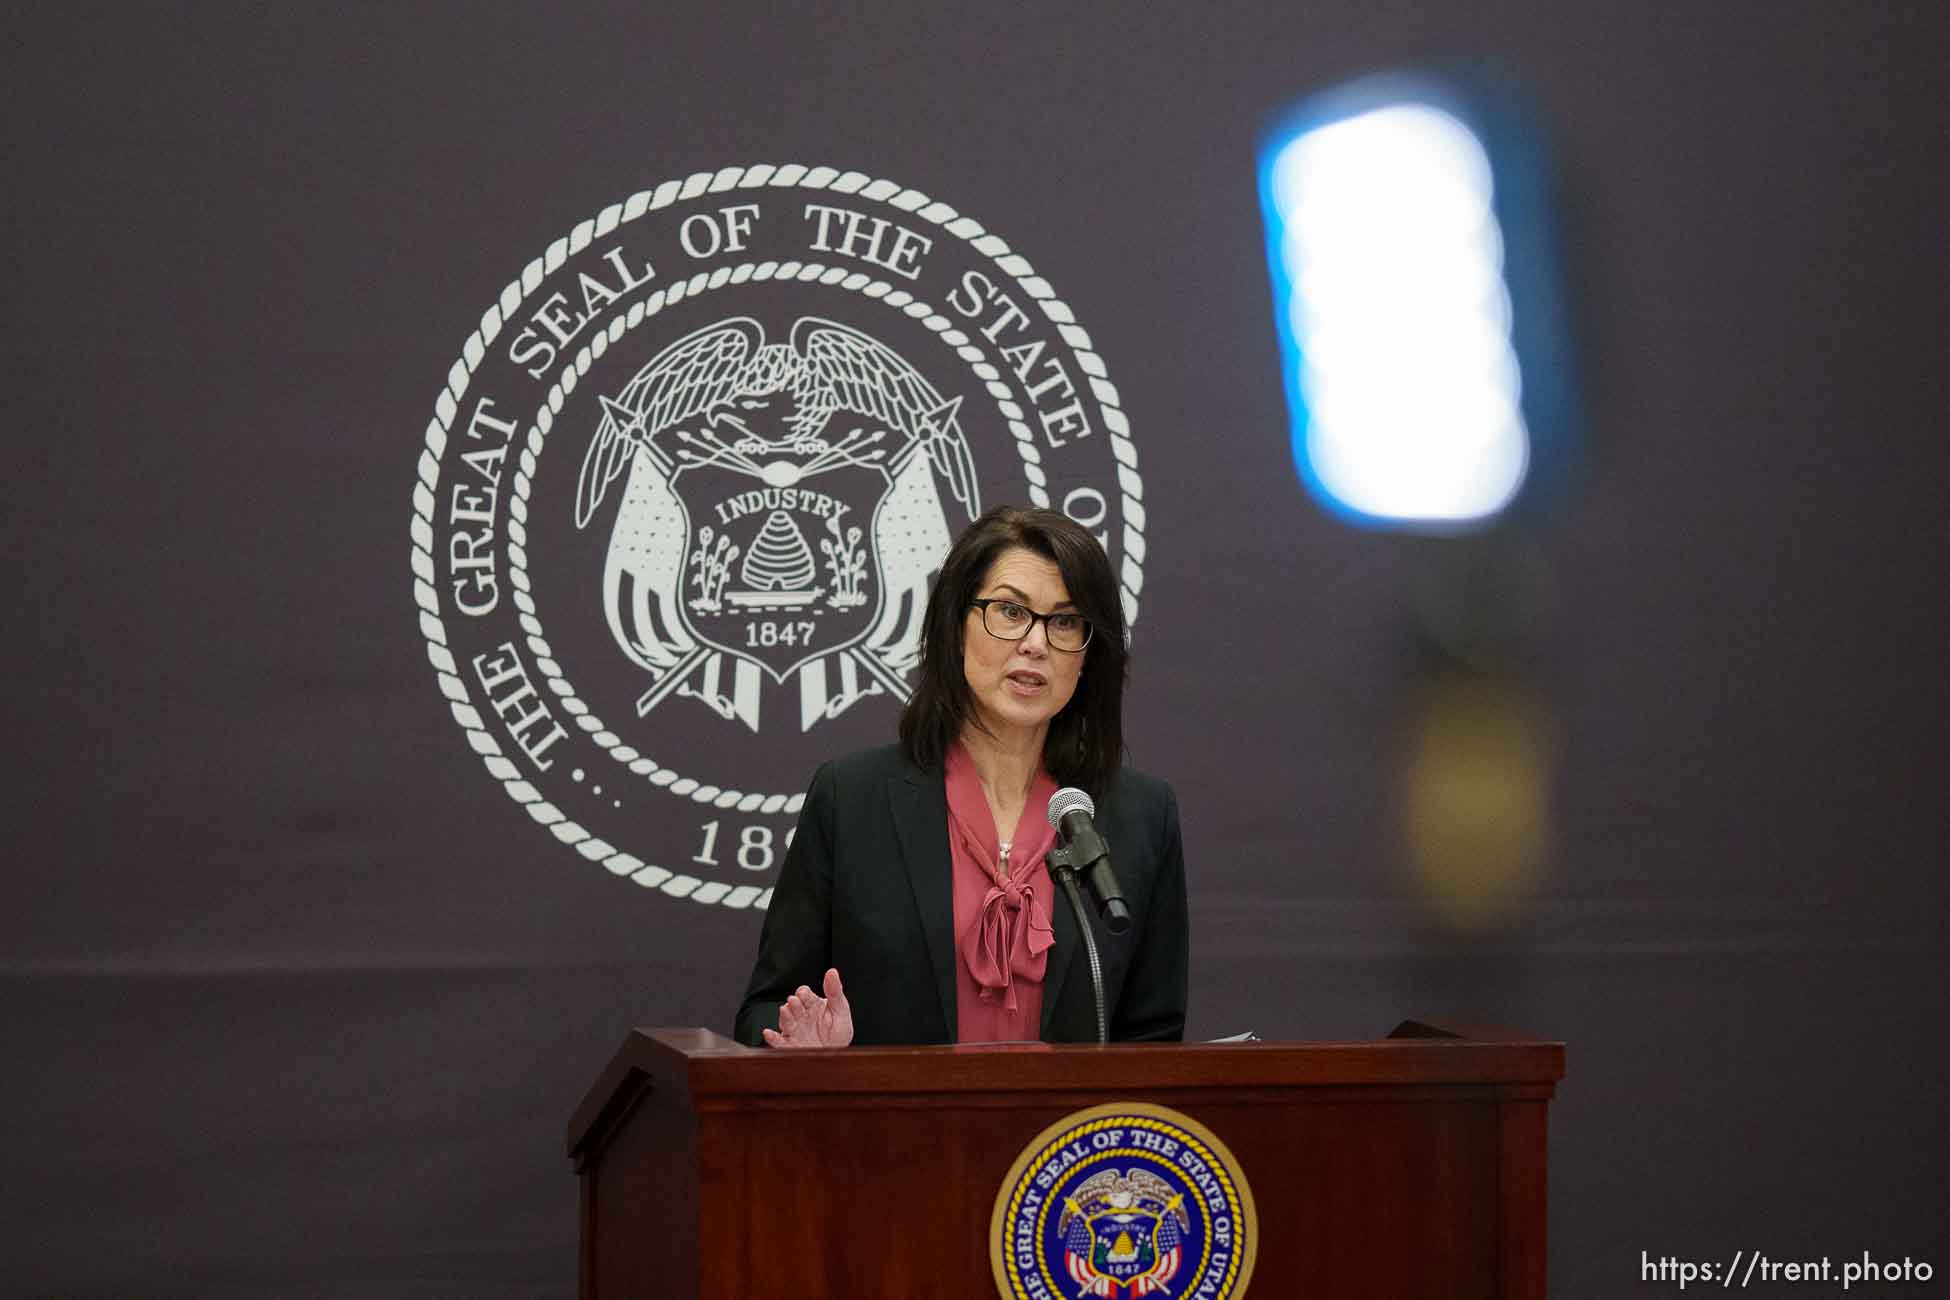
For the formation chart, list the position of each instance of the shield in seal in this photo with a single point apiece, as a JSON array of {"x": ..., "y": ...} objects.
[
  {"x": 1127, "y": 1228},
  {"x": 779, "y": 574}
]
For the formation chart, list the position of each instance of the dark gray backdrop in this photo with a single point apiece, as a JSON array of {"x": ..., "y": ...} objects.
[{"x": 297, "y": 1001}]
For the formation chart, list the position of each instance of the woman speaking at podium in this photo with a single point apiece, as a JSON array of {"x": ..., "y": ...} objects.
[{"x": 914, "y": 905}]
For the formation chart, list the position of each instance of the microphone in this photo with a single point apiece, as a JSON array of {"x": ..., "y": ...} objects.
[{"x": 1081, "y": 848}]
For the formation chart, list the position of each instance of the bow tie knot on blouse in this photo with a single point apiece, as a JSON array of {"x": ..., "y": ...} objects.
[
  {"x": 1008, "y": 940},
  {"x": 1002, "y": 906}
]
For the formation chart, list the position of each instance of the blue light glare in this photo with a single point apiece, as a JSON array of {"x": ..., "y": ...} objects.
[{"x": 1396, "y": 319}]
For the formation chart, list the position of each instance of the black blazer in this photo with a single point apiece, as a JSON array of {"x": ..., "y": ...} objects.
[{"x": 866, "y": 888}]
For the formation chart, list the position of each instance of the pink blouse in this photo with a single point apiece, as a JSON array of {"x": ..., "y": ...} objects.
[{"x": 1002, "y": 909}]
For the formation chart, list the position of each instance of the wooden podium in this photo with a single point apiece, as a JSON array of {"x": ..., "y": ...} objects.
[{"x": 1408, "y": 1167}]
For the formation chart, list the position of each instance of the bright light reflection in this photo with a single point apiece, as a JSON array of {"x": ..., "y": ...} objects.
[{"x": 1401, "y": 316}]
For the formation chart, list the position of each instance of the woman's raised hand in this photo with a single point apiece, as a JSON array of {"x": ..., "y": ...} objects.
[{"x": 808, "y": 1020}]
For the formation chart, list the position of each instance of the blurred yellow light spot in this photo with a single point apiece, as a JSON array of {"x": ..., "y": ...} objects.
[{"x": 1477, "y": 807}]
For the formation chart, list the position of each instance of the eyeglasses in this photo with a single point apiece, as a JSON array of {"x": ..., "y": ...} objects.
[{"x": 1006, "y": 620}]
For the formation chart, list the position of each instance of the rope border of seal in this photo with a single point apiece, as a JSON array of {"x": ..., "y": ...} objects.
[{"x": 610, "y": 219}]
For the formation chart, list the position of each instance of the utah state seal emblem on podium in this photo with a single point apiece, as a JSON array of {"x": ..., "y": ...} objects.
[{"x": 1124, "y": 1200}]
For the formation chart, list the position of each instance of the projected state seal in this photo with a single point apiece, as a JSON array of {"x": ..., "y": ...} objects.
[
  {"x": 1121, "y": 1200},
  {"x": 686, "y": 485}
]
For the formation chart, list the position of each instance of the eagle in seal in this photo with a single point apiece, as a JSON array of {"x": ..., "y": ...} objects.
[{"x": 730, "y": 448}]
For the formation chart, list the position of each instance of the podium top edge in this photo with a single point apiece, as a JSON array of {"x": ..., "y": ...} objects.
[
  {"x": 707, "y": 1068},
  {"x": 1410, "y": 1034},
  {"x": 710, "y": 1062}
]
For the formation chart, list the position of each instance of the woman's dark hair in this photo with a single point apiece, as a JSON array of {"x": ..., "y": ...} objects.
[{"x": 1085, "y": 744}]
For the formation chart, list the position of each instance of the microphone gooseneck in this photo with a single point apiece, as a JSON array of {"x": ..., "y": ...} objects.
[
  {"x": 1068, "y": 876},
  {"x": 1079, "y": 848}
]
